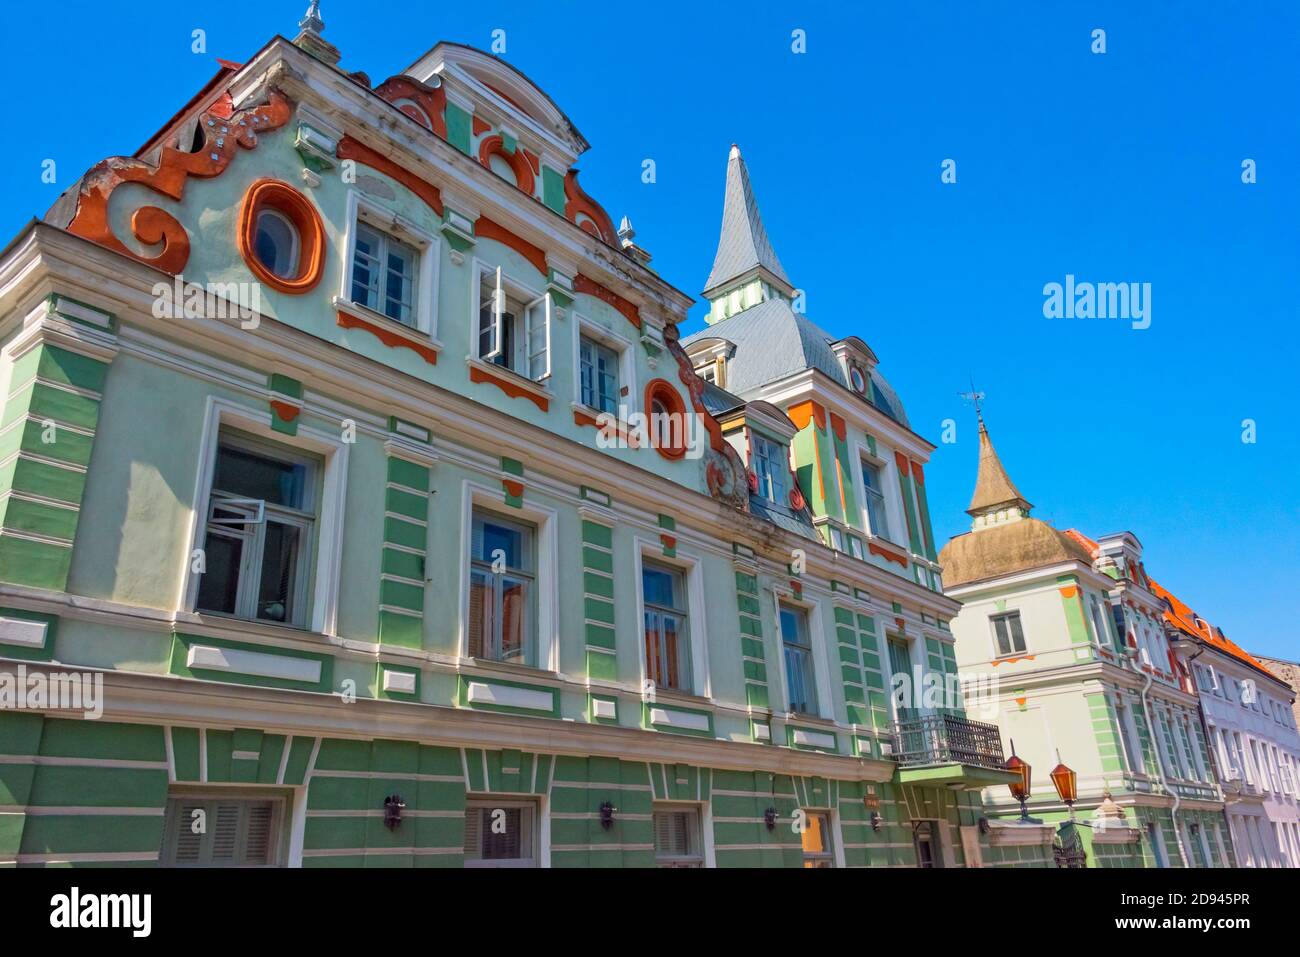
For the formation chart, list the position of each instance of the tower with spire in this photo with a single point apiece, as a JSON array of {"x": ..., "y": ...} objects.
[
  {"x": 746, "y": 270},
  {"x": 996, "y": 499}
]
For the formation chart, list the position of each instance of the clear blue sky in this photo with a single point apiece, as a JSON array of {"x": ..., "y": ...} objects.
[{"x": 1119, "y": 167}]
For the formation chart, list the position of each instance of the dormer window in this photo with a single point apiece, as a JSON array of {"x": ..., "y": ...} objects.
[{"x": 771, "y": 464}]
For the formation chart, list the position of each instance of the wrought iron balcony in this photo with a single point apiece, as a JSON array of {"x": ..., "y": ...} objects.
[{"x": 939, "y": 739}]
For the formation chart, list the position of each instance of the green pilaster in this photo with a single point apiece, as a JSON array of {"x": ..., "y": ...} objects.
[
  {"x": 458, "y": 128},
  {"x": 47, "y": 431},
  {"x": 553, "y": 189},
  {"x": 598, "y": 599},
  {"x": 402, "y": 573},
  {"x": 905, "y": 486},
  {"x": 924, "y": 505},
  {"x": 753, "y": 655}
]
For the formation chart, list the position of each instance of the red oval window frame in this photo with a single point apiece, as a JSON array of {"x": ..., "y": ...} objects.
[
  {"x": 663, "y": 390},
  {"x": 299, "y": 210}
]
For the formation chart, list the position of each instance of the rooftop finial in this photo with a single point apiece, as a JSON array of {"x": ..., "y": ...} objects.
[
  {"x": 311, "y": 21},
  {"x": 309, "y": 38}
]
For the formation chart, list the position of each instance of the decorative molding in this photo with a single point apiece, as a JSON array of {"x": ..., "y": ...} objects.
[
  {"x": 354, "y": 149},
  {"x": 486, "y": 228},
  {"x": 349, "y": 319},
  {"x": 233, "y": 660},
  {"x": 150, "y": 225},
  {"x": 301, "y": 212}
]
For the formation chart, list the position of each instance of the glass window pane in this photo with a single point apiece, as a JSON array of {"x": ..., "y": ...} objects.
[
  {"x": 481, "y": 608},
  {"x": 658, "y": 586},
  {"x": 279, "y": 562},
  {"x": 249, "y": 474},
  {"x": 219, "y": 586},
  {"x": 514, "y": 617}
]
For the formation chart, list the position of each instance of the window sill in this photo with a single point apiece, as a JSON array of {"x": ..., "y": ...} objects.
[
  {"x": 510, "y": 382},
  {"x": 390, "y": 332},
  {"x": 815, "y": 720},
  {"x": 671, "y": 696},
  {"x": 215, "y": 624},
  {"x": 505, "y": 669}
]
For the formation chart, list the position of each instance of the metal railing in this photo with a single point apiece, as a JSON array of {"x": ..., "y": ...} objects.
[{"x": 947, "y": 739}]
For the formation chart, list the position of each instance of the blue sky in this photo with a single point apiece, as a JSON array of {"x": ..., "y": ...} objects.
[{"x": 1122, "y": 167}]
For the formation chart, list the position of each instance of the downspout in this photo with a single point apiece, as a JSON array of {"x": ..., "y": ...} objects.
[
  {"x": 1160, "y": 767},
  {"x": 1210, "y": 750}
]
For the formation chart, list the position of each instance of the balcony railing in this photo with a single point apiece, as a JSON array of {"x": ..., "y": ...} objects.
[{"x": 946, "y": 739}]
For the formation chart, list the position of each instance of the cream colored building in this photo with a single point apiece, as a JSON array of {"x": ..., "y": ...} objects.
[{"x": 1073, "y": 633}]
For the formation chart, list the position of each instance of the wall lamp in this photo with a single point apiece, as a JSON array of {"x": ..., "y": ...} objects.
[
  {"x": 607, "y": 815},
  {"x": 393, "y": 805}
]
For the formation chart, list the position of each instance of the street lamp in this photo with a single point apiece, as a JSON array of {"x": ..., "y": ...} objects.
[
  {"x": 1019, "y": 789},
  {"x": 1066, "y": 783}
]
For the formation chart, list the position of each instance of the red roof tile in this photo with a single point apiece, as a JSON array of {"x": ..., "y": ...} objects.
[{"x": 1184, "y": 619}]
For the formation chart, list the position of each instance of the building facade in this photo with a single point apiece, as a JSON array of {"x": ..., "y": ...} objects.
[
  {"x": 1253, "y": 739},
  {"x": 323, "y": 463},
  {"x": 1074, "y": 630}
]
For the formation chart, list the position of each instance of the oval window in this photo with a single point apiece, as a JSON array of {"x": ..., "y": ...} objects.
[
  {"x": 277, "y": 243},
  {"x": 858, "y": 379},
  {"x": 281, "y": 237}
]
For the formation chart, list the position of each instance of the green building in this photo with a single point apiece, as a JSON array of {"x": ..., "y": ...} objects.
[{"x": 361, "y": 507}]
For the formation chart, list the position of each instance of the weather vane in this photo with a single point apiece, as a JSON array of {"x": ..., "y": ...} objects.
[{"x": 975, "y": 397}]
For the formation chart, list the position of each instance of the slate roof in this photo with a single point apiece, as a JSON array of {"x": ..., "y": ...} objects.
[
  {"x": 743, "y": 243},
  {"x": 773, "y": 341}
]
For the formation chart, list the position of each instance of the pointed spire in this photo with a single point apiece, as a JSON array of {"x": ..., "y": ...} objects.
[
  {"x": 994, "y": 490},
  {"x": 743, "y": 245},
  {"x": 310, "y": 36}
]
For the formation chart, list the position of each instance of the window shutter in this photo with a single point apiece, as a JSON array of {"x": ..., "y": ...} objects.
[
  {"x": 473, "y": 832},
  {"x": 257, "y": 841},
  {"x": 223, "y": 821},
  {"x": 189, "y": 845},
  {"x": 673, "y": 833},
  {"x": 537, "y": 318}
]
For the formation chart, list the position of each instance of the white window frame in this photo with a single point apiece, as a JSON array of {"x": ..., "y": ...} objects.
[
  {"x": 546, "y": 581},
  {"x": 817, "y": 638},
  {"x": 258, "y": 514},
  {"x": 286, "y": 830},
  {"x": 428, "y": 264},
  {"x": 530, "y": 297},
  {"x": 833, "y": 834},
  {"x": 540, "y": 837},
  {"x": 692, "y": 570},
  {"x": 528, "y": 575},
  {"x": 704, "y": 816},
  {"x": 812, "y": 655},
  {"x": 993, "y": 633},
  {"x": 780, "y": 481},
  {"x": 328, "y": 551},
  {"x": 620, "y": 345},
  {"x": 890, "y": 492}
]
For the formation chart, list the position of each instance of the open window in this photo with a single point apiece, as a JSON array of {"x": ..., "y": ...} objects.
[
  {"x": 513, "y": 325},
  {"x": 259, "y": 532}
]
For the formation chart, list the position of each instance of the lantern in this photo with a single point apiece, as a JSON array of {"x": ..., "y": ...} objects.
[
  {"x": 1019, "y": 789},
  {"x": 1066, "y": 784}
]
